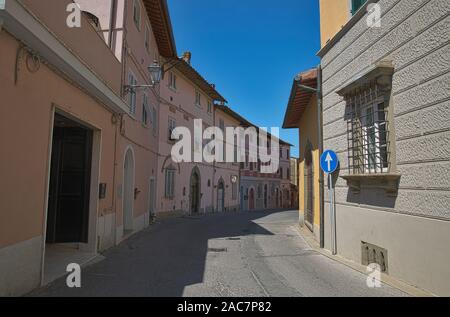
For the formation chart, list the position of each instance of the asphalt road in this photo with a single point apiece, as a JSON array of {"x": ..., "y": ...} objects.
[{"x": 242, "y": 254}]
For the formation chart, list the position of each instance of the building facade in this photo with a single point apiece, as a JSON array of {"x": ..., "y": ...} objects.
[
  {"x": 266, "y": 191},
  {"x": 385, "y": 111},
  {"x": 70, "y": 187},
  {"x": 294, "y": 182},
  {"x": 186, "y": 97},
  {"x": 285, "y": 198},
  {"x": 226, "y": 178},
  {"x": 301, "y": 114}
]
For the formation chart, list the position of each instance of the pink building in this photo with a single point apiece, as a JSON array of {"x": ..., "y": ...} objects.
[
  {"x": 73, "y": 136},
  {"x": 257, "y": 190},
  {"x": 187, "y": 187}
]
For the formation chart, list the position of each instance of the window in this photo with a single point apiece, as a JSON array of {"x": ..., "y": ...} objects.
[
  {"x": 287, "y": 154},
  {"x": 145, "y": 110},
  {"x": 210, "y": 107},
  {"x": 170, "y": 182},
  {"x": 137, "y": 13},
  {"x": 155, "y": 120},
  {"x": 198, "y": 98},
  {"x": 132, "y": 94},
  {"x": 368, "y": 146},
  {"x": 259, "y": 191},
  {"x": 357, "y": 4},
  {"x": 172, "y": 125},
  {"x": 172, "y": 81},
  {"x": 147, "y": 37}
]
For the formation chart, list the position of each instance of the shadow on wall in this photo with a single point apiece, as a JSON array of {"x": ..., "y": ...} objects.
[
  {"x": 369, "y": 196},
  {"x": 160, "y": 261}
]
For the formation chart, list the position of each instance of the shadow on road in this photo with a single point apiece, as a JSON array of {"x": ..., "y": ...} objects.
[{"x": 162, "y": 260}]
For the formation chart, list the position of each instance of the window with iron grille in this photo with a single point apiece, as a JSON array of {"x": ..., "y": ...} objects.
[{"x": 368, "y": 131}]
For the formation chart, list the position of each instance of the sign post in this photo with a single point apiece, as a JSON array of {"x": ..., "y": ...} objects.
[{"x": 329, "y": 163}]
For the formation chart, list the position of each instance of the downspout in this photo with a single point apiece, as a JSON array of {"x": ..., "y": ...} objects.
[
  {"x": 320, "y": 146},
  {"x": 214, "y": 166},
  {"x": 112, "y": 24}
]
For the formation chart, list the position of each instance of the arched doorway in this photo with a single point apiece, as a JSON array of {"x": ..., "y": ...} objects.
[
  {"x": 128, "y": 191},
  {"x": 309, "y": 187},
  {"x": 194, "y": 193},
  {"x": 251, "y": 199},
  {"x": 220, "y": 196}
]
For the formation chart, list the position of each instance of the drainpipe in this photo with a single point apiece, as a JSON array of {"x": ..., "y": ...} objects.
[
  {"x": 213, "y": 181},
  {"x": 320, "y": 146},
  {"x": 112, "y": 24}
]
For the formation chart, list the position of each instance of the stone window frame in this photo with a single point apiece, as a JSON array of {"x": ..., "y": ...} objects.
[{"x": 379, "y": 75}]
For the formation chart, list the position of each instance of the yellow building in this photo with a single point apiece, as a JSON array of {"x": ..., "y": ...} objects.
[
  {"x": 334, "y": 14},
  {"x": 302, "y": 114}
]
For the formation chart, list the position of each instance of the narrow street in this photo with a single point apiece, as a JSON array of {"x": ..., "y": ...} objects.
[{"x": 241, "y": 254}]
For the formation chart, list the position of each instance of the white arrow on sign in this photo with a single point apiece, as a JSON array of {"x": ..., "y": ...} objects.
[{"x": 329, "y": 159}]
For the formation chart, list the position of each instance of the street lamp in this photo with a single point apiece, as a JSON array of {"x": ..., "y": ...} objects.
[{"x": 155, "y": 71}]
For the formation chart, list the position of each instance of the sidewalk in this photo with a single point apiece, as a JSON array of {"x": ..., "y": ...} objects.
[{"x": 386, "y": 279}]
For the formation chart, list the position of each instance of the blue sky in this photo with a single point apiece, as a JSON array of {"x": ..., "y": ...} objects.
[{"x": 251, "y": 50}]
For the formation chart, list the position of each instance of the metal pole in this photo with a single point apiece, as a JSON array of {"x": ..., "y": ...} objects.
[
  {"x": 320, "y": 146},
  {"x": 332, "y": 216}
]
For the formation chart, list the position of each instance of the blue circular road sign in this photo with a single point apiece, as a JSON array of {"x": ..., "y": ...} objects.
[{"x": 329, "y": 162}]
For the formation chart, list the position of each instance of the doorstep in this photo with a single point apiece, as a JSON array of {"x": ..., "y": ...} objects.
[
  {"x": 59, "y": 256},
  {"x": 386, "y": 279}
]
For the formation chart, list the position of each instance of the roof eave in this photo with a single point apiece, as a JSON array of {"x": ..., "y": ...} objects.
[{"x": 194, "y": 76}]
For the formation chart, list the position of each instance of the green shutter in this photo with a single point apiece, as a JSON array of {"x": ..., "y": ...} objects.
[{"x": 357, "y": 4}]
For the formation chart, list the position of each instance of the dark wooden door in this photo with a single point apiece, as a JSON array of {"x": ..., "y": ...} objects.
[
  {"x": 195, "y": 193},
  {"x": 70, "y": 174}
]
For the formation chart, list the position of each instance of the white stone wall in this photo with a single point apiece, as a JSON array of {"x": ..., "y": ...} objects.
[
  {"x": 414, "y": 226},
  {"x": 415, "y": 36}
]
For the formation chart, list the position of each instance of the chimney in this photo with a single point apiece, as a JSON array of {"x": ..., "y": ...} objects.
[{"x": 187, "y": 57}]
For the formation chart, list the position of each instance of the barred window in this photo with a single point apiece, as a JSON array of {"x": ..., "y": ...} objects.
[{"x": 367, "y": 130}]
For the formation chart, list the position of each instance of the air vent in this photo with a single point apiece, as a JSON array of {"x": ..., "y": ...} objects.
[{"x": 372, "y": 254}]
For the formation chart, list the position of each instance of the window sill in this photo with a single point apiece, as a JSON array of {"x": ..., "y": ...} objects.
[{"x": 387, "y": 181}]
